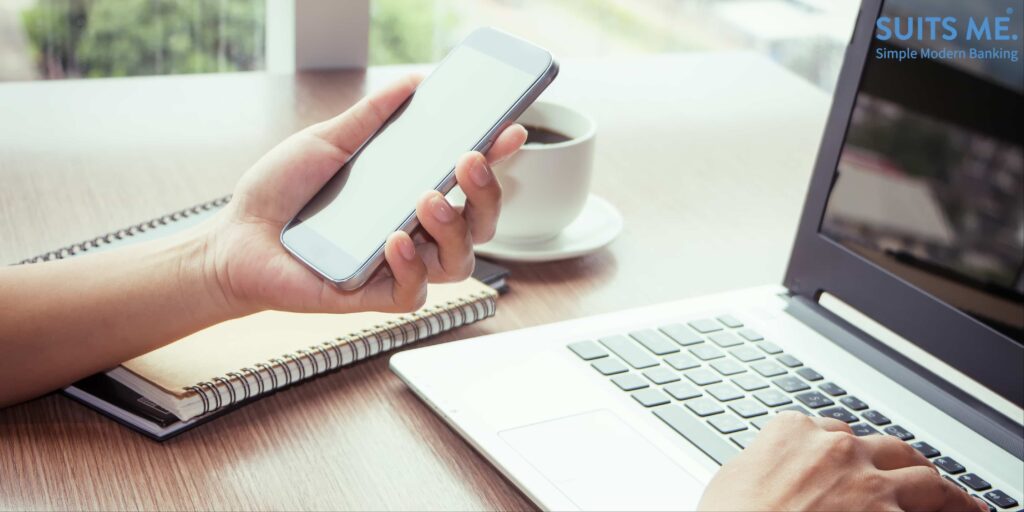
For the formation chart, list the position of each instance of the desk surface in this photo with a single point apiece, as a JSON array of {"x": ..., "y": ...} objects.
[{"x": 706, "y": 155}]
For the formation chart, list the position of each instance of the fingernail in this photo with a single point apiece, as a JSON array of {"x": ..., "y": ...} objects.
[
  {"x": 441, "y": 209},
  {"x": 407, "y": 249},
  {"x": 480, "y": 174}
]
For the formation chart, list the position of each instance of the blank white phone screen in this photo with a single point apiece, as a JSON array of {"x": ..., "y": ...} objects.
[{"x": 448, "y": 115}]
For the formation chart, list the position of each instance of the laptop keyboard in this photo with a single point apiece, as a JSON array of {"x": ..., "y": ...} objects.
[{"x": 716, "y": 382}]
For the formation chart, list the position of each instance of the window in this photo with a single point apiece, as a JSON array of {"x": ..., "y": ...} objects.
[
  {"x": 55, "y": 39},
  {"x": 806, "y": 36},
  {"x": 45, "y": 39}
]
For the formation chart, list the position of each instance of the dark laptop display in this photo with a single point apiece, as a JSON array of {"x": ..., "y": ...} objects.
[
  {"x": 930, "y": 181},
  {"x": 915, "y": 211}
]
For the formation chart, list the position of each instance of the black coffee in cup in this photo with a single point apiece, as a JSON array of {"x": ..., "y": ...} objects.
[{"x": 538, "y": 135}]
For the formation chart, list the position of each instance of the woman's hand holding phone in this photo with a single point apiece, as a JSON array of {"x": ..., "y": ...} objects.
[
  {"x": 116, "y": 305},
  {"x": 250, "y": 269}
]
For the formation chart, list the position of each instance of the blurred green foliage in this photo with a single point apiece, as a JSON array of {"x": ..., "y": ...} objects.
[
  {"x": 96, "y": 38},
  {"x": 404, "y": 31}
]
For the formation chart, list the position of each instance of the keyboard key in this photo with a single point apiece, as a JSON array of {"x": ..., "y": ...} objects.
[
  {"x": 814, "y": 399},
  {"x": 809, "y": 374},
  {"x": 862, "y": 429},
  {"x": 609, "y": 366},
  {"x": 749, "y": 382},
  {"x": 839, "y": 413},
  {"x": 746, "y": 353},
  {"x": 750, "y": 334},
  {"x": 769, "y": 348},
  {"x": 706, "y": 352},
  {"x": 727, "y": 367},
  {"x": 727, "y": 423},
  {"x": 705, "y": 325},
  {"x": 795, "y": 408},
  {"x": 949, "y": 465},
  {"x": 926, "y": 449},
  {"x": 703, "y": 377},
  {"x": 832, "y": 389},
  {"x": 651, "y": 397},
  {"x": 767, "y": 368},
  {"x": 588, "y": 350},
  {"x": 698, "y": 433},
  {"x": 789, "y": 360},
  {"x": 661, "y": 375},
  {"x": 725, "y": 339},
  {"x": 743, "y": 439},
  {"x": 724, "y": 392},
  {"x": 629, "y": 382},
  {"x": 772, "y": 397},
  {"x": 760, "y": 423},
  {"x": 703, "y": 406},
  {"x": 876, "y": 417},
  {"x": 730, "y": 321},
  {"x": 682, "y": 390},
  {"x": 1001, "y": 499},
  {"x": 975, "y": 482},
  {"x": 790, "y": 384},
  {"x": 629, "y": 351},
  {"x": 853, "y": 403},
  {"x": 681, "y": 334},
  {"x": 682, "y": 361},
  {"x": 655, "y": 342},
  {"x": 748, "y": 408},
  {"x": 900, "y": 432}
]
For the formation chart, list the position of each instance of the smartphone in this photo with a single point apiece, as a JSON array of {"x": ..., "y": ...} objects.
[{"x": 480, "y": 88}]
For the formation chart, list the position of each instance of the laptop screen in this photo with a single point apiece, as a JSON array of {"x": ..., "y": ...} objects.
[{"x": 930, "y": 181}]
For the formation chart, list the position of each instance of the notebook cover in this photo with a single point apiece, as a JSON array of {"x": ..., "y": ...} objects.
[
  {"x": 491, "y": 274},
  {"x": 119, "y": 403}
]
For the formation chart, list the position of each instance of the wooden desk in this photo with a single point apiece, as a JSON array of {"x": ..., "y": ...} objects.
[{"x": 707, "y": 156}]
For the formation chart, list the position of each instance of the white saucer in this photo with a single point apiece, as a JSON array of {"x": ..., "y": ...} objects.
[{"x": 597, "y": 225}]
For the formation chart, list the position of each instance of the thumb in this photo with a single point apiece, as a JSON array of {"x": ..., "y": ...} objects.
[
  {"x": 284, "y": 179},
  {"x": 348, "y": 130}
]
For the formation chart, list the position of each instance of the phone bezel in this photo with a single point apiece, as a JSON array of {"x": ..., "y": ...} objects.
[{"x": 332, "y": 262}]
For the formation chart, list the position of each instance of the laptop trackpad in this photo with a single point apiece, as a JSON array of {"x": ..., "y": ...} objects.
[{"x": 600, "y": 463}]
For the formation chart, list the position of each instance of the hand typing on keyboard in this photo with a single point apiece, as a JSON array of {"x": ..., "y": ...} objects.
[
  {"x": 718, "y": 391},
  {"x": 803, "y": 463}
]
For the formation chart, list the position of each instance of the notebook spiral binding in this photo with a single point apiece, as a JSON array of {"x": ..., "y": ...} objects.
[
  {"x": 130, "y": 231},
  {"x": 287, "y": 369},
  {"x": 262, "y": 378}
]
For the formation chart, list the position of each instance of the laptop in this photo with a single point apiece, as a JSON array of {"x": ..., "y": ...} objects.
[{"x": 901, "y": 311}]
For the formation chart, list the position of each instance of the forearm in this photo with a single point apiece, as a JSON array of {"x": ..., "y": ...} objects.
[{"x": 63, "y": 320}]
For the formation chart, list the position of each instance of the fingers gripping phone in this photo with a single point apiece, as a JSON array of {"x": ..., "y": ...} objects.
[{"x": 479, "y": 88}]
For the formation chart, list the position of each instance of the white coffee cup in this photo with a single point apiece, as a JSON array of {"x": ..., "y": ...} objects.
[{"x": 545, "y": 186}]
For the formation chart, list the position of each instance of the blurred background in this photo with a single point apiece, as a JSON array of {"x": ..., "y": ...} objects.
[{"x": 63, "y": 39}]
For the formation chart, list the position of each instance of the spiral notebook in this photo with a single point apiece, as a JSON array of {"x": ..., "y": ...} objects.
[{"x": 176, "y": 387}]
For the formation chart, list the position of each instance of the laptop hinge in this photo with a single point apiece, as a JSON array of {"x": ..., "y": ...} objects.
[{"x": 1005, "y": 432}]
